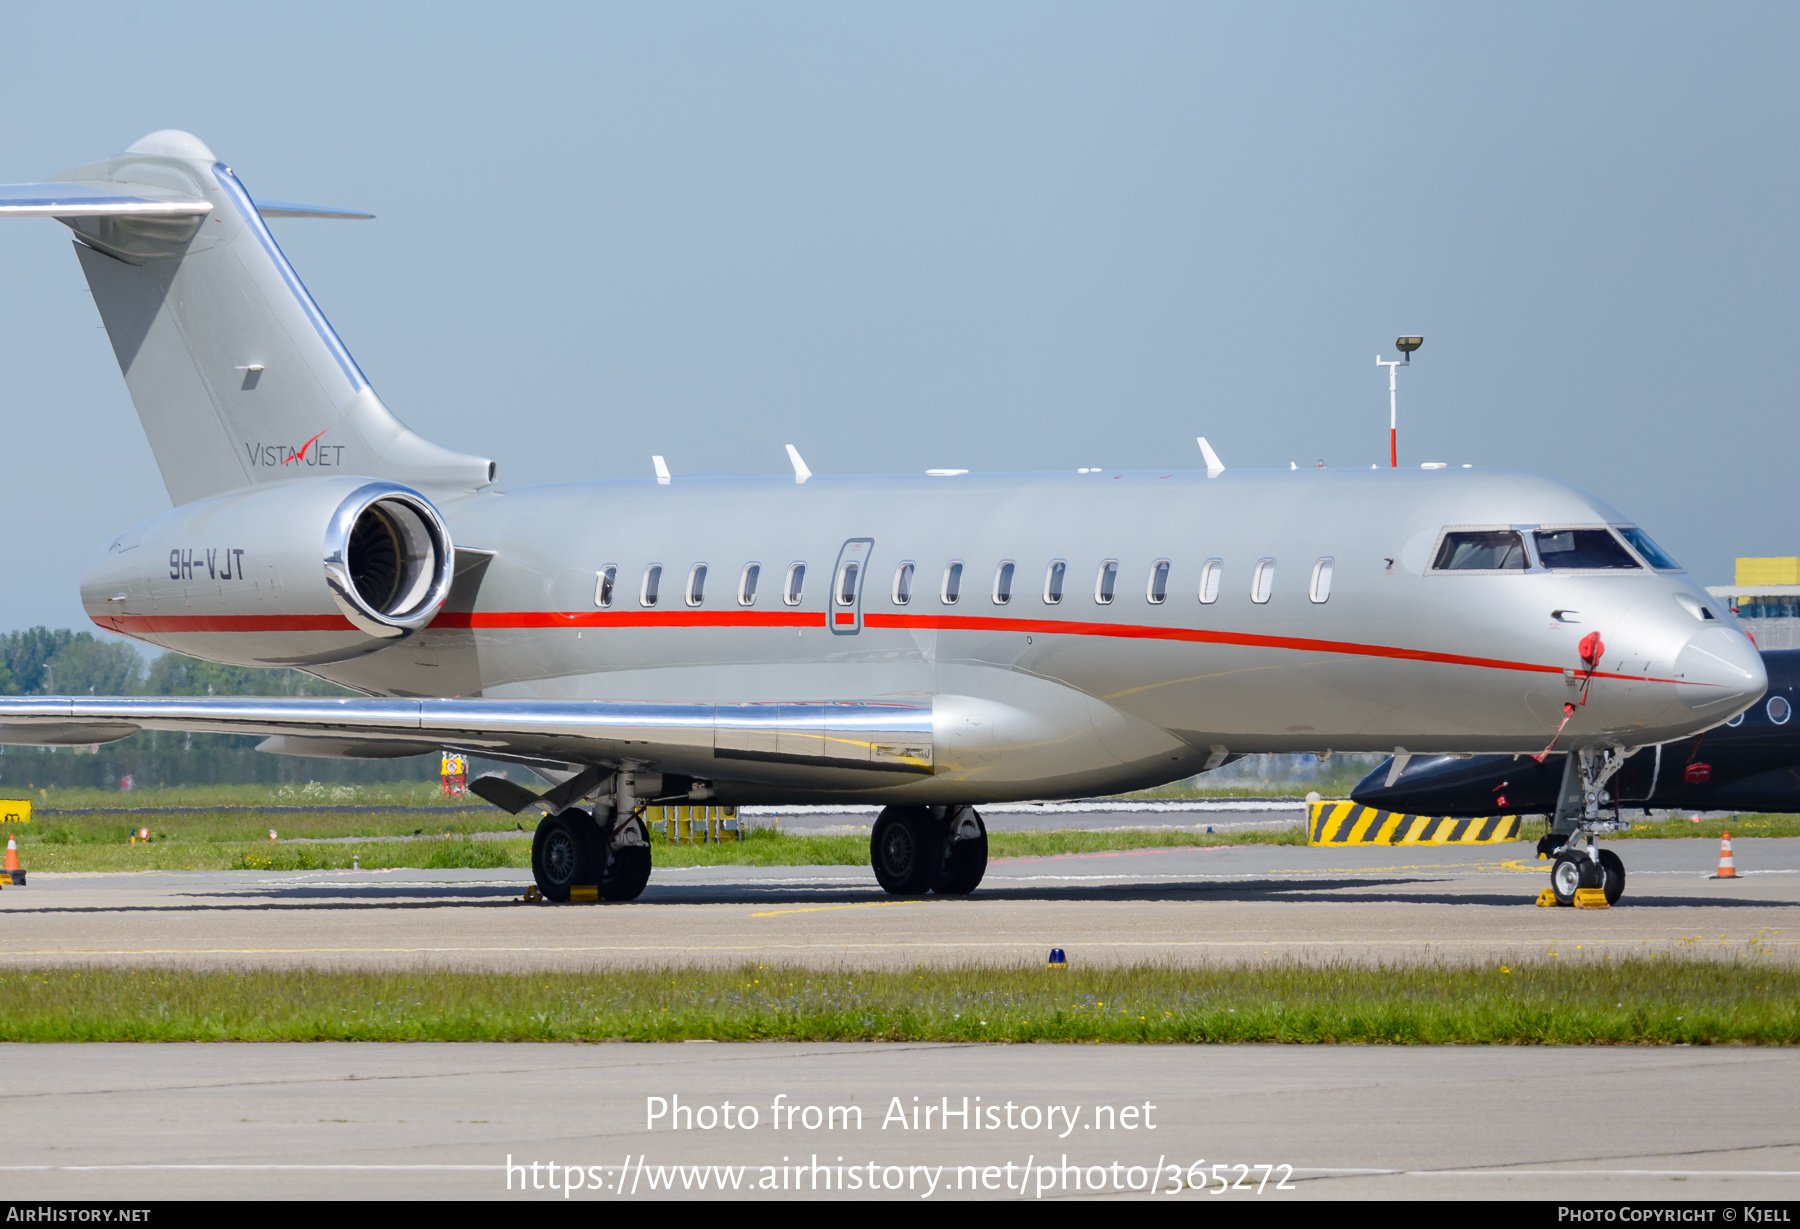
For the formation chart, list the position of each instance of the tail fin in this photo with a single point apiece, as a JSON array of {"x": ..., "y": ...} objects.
[{"x": 236, "y": 375}]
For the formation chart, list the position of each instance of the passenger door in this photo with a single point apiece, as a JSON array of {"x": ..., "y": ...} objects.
[{"x": 844, "y": 603}]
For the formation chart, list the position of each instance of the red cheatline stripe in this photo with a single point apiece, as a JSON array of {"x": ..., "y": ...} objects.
[
  {"x": 494, "y": 620},
  {"x": 625, "y": 618},
  {"x": 1129, "y": 631}
]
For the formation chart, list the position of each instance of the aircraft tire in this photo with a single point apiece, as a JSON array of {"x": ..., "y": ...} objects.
[
  {"x": 965, "y": 864},
  {"x": 626, "y": 876},
  {"x": 1612, "y": 875},
  {"x": 565, "y": 851},
  {"x": 904, "y": 850},
  {"x": 1570, "y": 872}
]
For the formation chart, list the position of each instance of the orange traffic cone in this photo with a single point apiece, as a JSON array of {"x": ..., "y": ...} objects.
[
  {"x": 11, "y": 873},
  {"x": 1727, "y": 867}
]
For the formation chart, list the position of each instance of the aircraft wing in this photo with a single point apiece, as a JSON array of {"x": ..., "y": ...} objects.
[{"x": 855, "y": 741}]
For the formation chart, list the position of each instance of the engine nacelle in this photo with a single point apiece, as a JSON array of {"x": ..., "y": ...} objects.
[{"x": 301, "y": 573}]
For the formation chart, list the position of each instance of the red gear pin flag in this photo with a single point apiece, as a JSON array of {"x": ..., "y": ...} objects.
[{"x": 1592, "y": 649}]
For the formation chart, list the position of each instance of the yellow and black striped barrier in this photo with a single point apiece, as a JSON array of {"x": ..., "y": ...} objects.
[{"x": 1346, "y": 823}]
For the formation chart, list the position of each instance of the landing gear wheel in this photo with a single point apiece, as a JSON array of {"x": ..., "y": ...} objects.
[
  {"x": 966, "y": 861},
  {"x": 626, "y": 873},
  {"x": 565, "y": 851},
  {"x": 905, "y": 850},
  {"x": 1612, "y": 874},
  {"x": 1573, "y": 871}
]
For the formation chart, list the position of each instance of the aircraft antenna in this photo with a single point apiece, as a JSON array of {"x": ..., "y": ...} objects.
[{"x": 1406, "y": 346}]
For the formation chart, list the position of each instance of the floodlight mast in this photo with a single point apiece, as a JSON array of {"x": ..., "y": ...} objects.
[{"x": 1406, "y": 346}]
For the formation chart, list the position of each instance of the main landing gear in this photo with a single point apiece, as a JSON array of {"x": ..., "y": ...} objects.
[
  {"x": 572, "y": 850},
  {"x": 1577, "y": 861},
  {"x": 603, "y": 854},
  {"x": 915, "y": 850}
]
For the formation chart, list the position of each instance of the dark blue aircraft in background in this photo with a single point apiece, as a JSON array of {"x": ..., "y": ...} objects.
[{"x": 1752, "y": 764}]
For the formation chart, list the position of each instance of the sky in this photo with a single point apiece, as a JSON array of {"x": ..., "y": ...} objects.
[{"x": 985, "y": 236}]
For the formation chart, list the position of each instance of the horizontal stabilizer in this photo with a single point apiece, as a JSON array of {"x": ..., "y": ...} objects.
[
  {"x": 294, "y": 209},
  {"x": 94, "y": 200}
]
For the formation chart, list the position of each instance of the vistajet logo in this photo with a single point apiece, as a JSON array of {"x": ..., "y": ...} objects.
[{"x": 313, "y": 454}]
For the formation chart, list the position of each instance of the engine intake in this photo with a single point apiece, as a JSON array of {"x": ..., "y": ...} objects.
[{"x": 388, "y": 560}]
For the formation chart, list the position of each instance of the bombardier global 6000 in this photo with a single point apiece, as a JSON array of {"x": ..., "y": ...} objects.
[{"x": 923, "y": 643}]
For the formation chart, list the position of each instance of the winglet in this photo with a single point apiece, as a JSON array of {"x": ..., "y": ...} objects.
[
  {"x": 662, "y": 471},
  {"x": 801, "y": 473},
  {"x": 1214, "y": 466}
]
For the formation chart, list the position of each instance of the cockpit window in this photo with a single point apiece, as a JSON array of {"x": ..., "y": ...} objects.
[
  {"x": 1481, "y": 550},
  {"x": 1653, "y": 554},
  {"x": 1590, "y": 549}
]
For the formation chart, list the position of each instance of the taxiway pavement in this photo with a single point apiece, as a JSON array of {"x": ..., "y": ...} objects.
[
  {"x": 1187, "y": 906},
  {"x": 428, "y": 1121}
]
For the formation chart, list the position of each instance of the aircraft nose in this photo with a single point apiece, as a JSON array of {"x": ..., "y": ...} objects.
[{"x": 1720, "y": 672}]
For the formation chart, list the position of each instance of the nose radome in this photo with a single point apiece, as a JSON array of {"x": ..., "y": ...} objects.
[{"x": 1719, "y": 671}]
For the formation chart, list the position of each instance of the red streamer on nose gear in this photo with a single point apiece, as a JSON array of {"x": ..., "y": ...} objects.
[{"x": 1568, "y": 712}]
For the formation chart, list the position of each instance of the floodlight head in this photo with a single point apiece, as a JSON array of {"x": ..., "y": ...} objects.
[{"x": 1406, "y": 345}]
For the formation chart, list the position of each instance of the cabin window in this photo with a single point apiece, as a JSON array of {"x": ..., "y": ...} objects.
[
  {"x": 1482, "y": 550},
  {"x": 1053, "y": 581},
  {"x": 696, "y": 586},
  {"x": 1106, "y": 581},
  {"x": 603, "y": 585},
  {"x": 747, "y": 584},
  {"x": 1779, "y": 710},
  {"x": 952, "y": 583},
  {"x": 1157, "y": 590},
  {"x": 1212, "y": 572},
  {"x": 1262, "y": 582},
  {"x": 1582, "y": 549},
  {"x": 846, "y": 595},
  {"x": 1320, "y": 588},
  {"x": 1003, "y": 581},
  {"x": 796, "y": 583},
  {"x": 652, "y": 581},
  {"x": 903, "y": 578}
]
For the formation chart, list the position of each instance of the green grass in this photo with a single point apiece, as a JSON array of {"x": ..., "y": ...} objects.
[
  {"x": 398, "y": 793},
  {"x": 1737, "y": 825},
  {"x": 1636, "y": 1001},
  {"x": 50, "y": 849},
  {"x": 252, "y": 826}
]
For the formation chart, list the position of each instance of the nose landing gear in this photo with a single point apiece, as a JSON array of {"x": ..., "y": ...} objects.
[{"x": 1578, "y": 861}]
